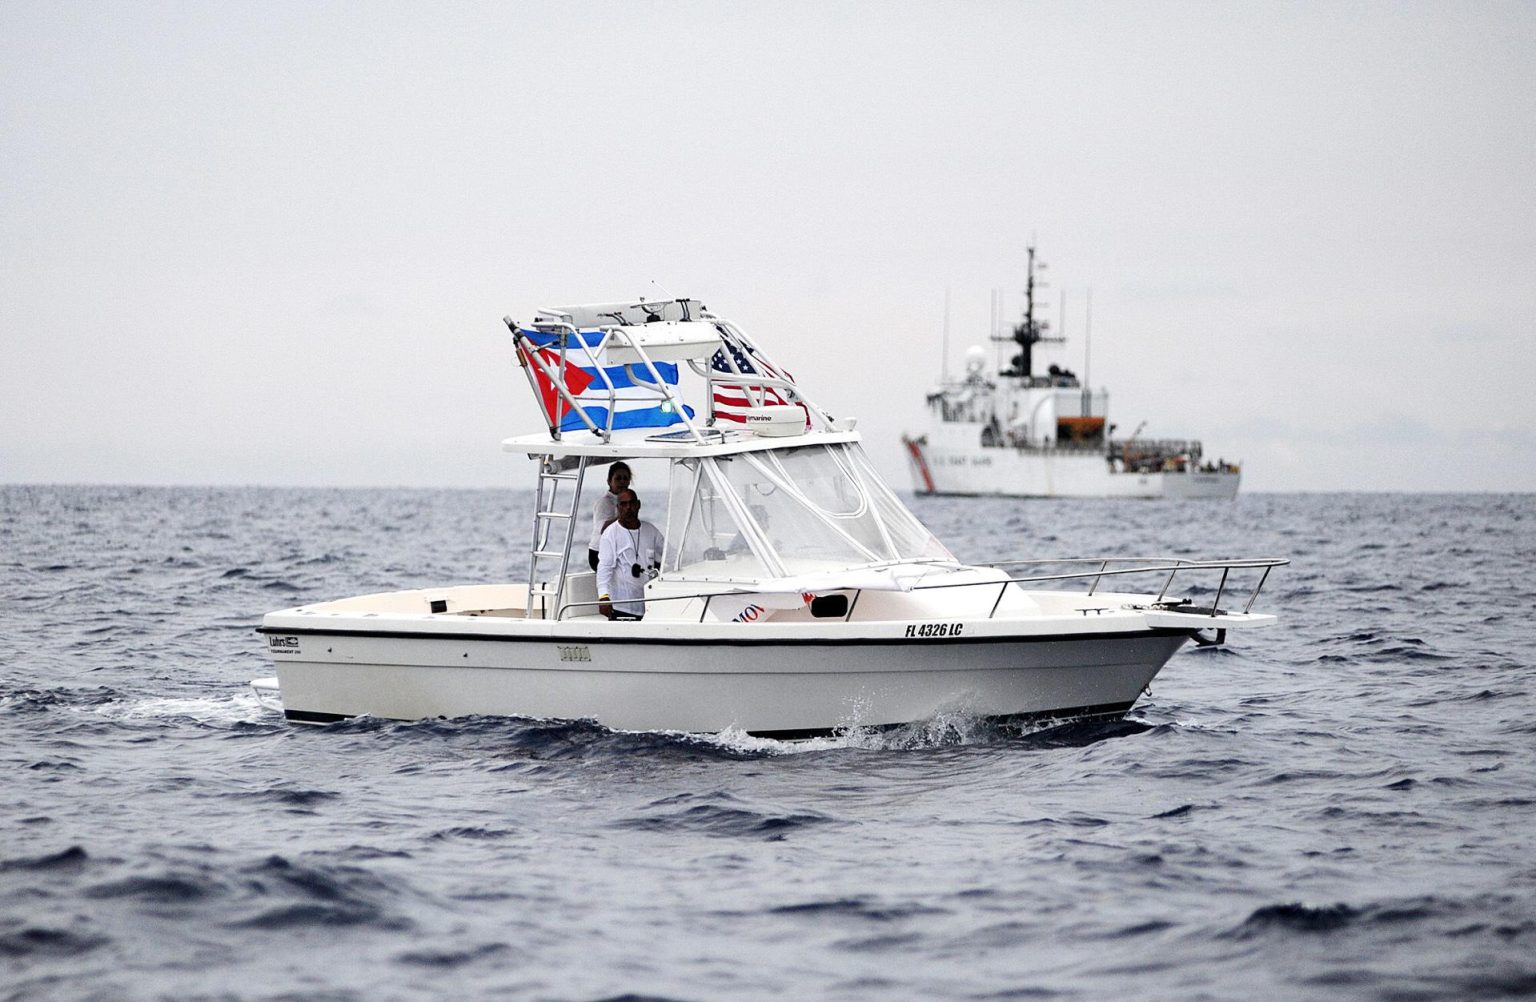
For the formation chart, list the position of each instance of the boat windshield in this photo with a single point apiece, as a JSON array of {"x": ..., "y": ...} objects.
[{"x": 788, "y": 511}]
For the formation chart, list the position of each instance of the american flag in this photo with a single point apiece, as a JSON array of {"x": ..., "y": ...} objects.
[{"x": 732, "y": 400}]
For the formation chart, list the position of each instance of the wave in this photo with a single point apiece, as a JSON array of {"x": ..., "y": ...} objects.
[
  {"x": 162, "y": 889},
  {"x": 473, "y": 833},
  {"x": 281, "y": 894},
  {"x": 720, "y": 814},
  {"x": 867, "y": 908},
  {"x": 449, "y": 959},
  {"x": 72, "y": 858},
  {"x": 34, "y": 941},
  {"x": 1297, "y": 917},
  {"x": 1448, "y": 916},
  {"x": 298, "y": 801}
]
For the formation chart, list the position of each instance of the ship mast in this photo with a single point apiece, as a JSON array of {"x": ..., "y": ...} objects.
[{"x": 1028, "y": 332}]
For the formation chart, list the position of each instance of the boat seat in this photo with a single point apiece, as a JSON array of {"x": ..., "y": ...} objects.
[{"x": 581, "y": 586}]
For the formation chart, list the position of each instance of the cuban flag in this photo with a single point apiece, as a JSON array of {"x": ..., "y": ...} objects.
[
  {"x": 732, "y": 401},
  {"x": 638, "y": 401}
]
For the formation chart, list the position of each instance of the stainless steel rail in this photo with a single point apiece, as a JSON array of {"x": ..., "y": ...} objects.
[{"x": 1172, "y": 565}]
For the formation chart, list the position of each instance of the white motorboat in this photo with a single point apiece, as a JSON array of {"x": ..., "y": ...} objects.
[
  {"x": 1017, "y": 434},
  {"x": 796, "y": 594}
]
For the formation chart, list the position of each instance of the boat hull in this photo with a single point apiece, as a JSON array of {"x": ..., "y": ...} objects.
[
  {"x": 777, "y": 688},
  {"x": 1004, "y": 472}
]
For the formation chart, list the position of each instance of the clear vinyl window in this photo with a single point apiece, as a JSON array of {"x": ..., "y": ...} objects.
[{"x": 789, "y": 511}]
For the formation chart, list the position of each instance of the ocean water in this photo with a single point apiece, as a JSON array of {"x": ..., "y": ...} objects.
[{"x": 1342, "y": 806}]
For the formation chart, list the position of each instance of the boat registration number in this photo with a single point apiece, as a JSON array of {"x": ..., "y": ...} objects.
[{"x": 934, "y": 629}]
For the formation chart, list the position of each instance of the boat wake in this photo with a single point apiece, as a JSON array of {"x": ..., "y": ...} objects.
[
  {"x": 576, "y": 739},
  {"x": 240, "y": 707},
  {"x": 943, "y": 730}
]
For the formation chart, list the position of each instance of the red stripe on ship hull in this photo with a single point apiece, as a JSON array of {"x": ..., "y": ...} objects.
[{"x": 920, "y": 461}]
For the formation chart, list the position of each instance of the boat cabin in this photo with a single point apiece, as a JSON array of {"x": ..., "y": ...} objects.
[{"x": 765, "y": 491}]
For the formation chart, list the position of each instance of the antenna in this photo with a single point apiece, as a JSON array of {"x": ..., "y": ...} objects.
[
  {"x": 992, "y": 331},
  {"x": 1028, "y": 332},
  {"x": 662, "y": 294},
  {"x": 944, "y": 361},
  {"x": 1088, "y": 339}
]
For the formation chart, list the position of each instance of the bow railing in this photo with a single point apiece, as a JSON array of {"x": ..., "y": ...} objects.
[{"x": 1171, "y": 566}]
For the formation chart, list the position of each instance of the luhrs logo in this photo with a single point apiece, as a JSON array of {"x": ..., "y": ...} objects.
[{"x": 282, "y": 644}]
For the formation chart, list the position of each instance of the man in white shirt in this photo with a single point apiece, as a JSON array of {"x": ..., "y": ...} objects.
[{"x": 628, "y": 556}]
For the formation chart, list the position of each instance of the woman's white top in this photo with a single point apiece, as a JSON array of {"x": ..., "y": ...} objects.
[{"x": 606, "y": 509}]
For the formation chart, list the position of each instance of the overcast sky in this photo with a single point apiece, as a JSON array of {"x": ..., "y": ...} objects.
[{"x": 272, "y": 243}]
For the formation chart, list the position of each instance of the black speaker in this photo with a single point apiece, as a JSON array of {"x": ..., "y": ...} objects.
[{"x": 828, "y": 606}]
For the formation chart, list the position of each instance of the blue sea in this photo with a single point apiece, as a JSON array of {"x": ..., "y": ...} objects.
[{"x": 1342, "y": 806}]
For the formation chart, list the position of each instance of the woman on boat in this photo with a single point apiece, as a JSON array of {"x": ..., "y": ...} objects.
[{"x": 606, "y": 509}]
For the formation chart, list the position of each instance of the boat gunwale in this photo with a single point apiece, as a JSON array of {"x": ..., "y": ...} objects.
[{"x": 674, "y": 641}]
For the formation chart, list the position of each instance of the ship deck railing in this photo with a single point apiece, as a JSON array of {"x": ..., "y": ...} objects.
[{"x": 1156, "y": 448}]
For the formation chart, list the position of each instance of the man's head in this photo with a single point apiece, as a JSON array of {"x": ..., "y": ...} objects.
[{"x": 628, "y": 503}]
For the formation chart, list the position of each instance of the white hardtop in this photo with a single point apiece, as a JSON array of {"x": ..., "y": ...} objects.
[
  {"x": 609, "y": 375},
  {"x": 596, "y": 315},
  {"x": 642, "y": 443}
]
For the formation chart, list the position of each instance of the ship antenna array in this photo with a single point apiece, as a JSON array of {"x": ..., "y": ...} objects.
[{"x": 1028, "y": 332}]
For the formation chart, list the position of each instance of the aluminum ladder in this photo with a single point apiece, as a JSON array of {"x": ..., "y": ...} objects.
[{"x": 544, "y": 591}]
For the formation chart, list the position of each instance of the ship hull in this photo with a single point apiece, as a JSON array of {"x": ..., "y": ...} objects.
[{"x": 1006, "y": 472}]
